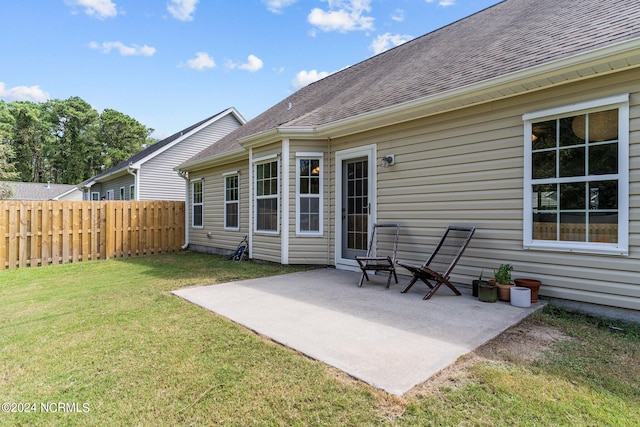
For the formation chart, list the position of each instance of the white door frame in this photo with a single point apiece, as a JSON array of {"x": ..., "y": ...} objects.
[{"x": 368, "y": 151}]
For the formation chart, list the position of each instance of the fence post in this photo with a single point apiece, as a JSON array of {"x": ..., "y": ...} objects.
[{"x": 109, "y": 232}]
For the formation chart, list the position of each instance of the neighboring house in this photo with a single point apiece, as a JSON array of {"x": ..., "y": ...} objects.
[
  {"x": 40, "y": 191},
  {"x": 149, "y": 174},
  {"x": 522, "y": 120}
]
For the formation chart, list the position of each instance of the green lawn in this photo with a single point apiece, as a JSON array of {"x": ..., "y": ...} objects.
[{"x": 108, "y": 341}]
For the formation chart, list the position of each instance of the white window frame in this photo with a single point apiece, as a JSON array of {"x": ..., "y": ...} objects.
[
  {"x": 110, "y": 194},
  {"x": 122, "y": 193},
  {"x": 621, "y": 102},
  {"x": 132, "y": 192},
  {"x": 310, "y": 156},
  {"x": 95, "y": 195},
  {"x": 258, "y": 162},
  {"x": 194, "y": 204},
  {"x": 225, "y": 176}
]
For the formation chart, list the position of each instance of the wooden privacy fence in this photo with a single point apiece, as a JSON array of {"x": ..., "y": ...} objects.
[{"x": 53, "y": 232}]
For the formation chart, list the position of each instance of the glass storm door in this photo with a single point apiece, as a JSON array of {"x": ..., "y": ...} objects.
[{"x": 355, "y": 207}]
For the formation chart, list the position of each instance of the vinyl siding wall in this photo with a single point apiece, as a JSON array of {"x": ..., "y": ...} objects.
[
  {"x": 115, "y": 184},
  {"x": 267, "y": 246},
  {"x": 308, "y": 249},
  {"x": 222, "y": 241},
  {"x": 467, "y": 167},
  {"x": 158, "y": 180}
]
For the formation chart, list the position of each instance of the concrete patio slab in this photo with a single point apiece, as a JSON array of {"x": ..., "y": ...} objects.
[{"x": 389, "y": 340}]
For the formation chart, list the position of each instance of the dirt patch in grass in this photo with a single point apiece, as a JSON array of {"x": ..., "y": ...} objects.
[{"x": 522, "y": 343}]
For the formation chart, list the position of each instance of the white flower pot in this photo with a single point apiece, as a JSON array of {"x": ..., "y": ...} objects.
[{"x": 520, "y": 297}]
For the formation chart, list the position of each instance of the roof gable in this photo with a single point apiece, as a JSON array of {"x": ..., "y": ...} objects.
[{"x": 162, "y": 145}]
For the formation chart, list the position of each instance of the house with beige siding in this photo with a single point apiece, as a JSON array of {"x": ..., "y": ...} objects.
[
  {"x": 149, "y": 174},
  {"x": 522, "y": 120}
]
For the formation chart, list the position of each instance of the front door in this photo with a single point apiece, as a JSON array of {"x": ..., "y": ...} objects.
[{"x": 355, "y": 207}]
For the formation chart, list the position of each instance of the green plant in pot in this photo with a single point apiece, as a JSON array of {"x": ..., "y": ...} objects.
[
  {"x": 485, "y": 291},
  {"x": 502, "y": 278}
]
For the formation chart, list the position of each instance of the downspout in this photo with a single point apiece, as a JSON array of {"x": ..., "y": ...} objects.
[
  {"x": 185, "y": 175},
  {"x": 86, "y": 189},
  {"x": 134, "y": 171}
]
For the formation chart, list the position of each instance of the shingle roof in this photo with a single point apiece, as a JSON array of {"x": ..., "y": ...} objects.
[
  {"x": 510, "y": 36},
  {"x": 37, "y": 191}
]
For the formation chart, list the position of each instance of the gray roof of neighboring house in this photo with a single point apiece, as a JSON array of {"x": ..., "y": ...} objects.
[
  {"x": 511, "y": 36},
  {"x": 141, "y": 155},
  {"x": 36, "y": 190}
]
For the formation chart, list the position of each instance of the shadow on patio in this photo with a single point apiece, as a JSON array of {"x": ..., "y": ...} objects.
[{"x": 390, "y": 340}]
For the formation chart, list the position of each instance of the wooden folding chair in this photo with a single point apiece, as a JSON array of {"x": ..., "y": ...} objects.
[
  {"x": 437, "y": 268},
  {"x": 382, "y": 232}
]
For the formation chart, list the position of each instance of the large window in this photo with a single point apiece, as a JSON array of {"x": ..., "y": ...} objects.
[
  {"x": 309, "y": 194},
  {"x": 267, "y": 197},
  {"x": 232, "y": 201},
  {"x": 197, "y": 205},
  {"x": 576, "y": 183}
]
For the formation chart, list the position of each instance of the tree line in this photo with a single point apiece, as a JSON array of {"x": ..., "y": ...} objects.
[{"x": 64, "y": 141}]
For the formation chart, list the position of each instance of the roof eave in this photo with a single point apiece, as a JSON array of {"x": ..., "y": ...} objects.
[
  {"x": 614, "y": 58},
  {"x": 277, "y": 134},
  {"x": 226, "y": 158}
]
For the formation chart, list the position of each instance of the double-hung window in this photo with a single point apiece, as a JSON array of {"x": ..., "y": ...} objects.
[
  {"x": 132, "y": 192},
  {"x": 231, "y": 201},
  {"x": 309, "y": 194},
  {"x": 197, "y": 204},
  {"x": 266, "y": 180},
  {"x": 577, "y": 177}
]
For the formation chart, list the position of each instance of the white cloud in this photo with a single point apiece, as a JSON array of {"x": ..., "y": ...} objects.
[
  {"x": 201, "y": 61},
  {"x": 387, "y": 40},
  {"x": 133, "y": 50},
  {"x": 23, "y": 93},
  {"x": 304, "y": 78},
  {"x": 276, "y": 6},
  {"x": 398, "y": 15},
  {"x": 443, "y": 3},
  {"x": 100, "y": 9},
  {"x": 253, "y": 64},
  {"x": 182, "y": 10},
  {"x": 343, "y": 16}
]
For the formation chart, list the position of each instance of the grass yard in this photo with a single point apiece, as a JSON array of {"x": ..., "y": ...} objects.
[{"x": 109, "y": 342}]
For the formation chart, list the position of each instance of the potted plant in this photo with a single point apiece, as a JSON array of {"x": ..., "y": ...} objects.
[
  {"x": 502, "y": 278},
  {"x": 485, "y": 290},
  {"x": 475, "y": 284}
]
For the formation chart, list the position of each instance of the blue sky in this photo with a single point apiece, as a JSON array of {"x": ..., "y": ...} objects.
[{"x": 171, "y": 63}]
